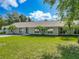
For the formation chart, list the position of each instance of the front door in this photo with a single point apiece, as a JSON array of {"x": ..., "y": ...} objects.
[
  {"x": 26, "y": 30},
  {"x": 61, "y": 31}
]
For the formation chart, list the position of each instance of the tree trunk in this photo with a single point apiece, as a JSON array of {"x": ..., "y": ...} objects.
[{"x": 78, "y": 39}]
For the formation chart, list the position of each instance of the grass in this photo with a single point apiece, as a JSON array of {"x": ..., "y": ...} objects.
[{"x": 30, "y": 47}]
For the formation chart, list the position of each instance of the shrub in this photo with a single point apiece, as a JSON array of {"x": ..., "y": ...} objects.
[
  {"x": 54, "y": 55},
  {"x": 64, "y": 51},
  {"x": 69, "y": 51},
  {"x": 41, "y": 29},
  {"x": 2, "y": 32},
  {"x": 12, "y": 28}
]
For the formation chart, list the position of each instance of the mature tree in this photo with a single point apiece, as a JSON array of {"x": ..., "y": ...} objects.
[
  {"x": 13, "y": 17},
  {"x": 29, "y": 19},
  {"x": 1, "y": 22},
  {"x": 41, "y": 29},
  {"x": 16, "y": 17},
  {"x": 9, "y": 19},
  {"x": 12, "y": 28},
  {"x": 67, "y": 9},
  {"x": 69, "y": 27},
  {"x": 20, "y": 17},
  {"x": 23, "y": 18}
]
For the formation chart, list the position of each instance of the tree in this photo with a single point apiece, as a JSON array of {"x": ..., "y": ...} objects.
[
  {"x": 4, "y": 29},
  {"x": 1, "y": 22},
  {"x": 69, "y": 27},
  {"x": 16, "y": 17},
  {"x": 67, "y": 9},
  {"x": 41, "y": 29},
  {"x": 9, "y": 19},
  {"x": 12, "y": 18},
  {"x": 23, "y": 18},
  {"x": 29, "y": 19},
  {"x": 12, "y": 28}
]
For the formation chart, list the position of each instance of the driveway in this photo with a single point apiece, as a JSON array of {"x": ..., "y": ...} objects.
[{"x": 6, "y": 35}]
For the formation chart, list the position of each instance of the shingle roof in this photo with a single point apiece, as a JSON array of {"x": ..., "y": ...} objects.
[{"x": 35, "y": 24}]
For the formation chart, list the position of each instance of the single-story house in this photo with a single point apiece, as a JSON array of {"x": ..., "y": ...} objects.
[{"x": 54, "y": 28}]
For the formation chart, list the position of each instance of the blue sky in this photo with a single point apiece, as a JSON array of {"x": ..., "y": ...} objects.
[{"x": 27, "y": 7}]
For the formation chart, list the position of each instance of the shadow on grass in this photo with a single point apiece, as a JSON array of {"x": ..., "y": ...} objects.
[
  {"x": 41, "y": 35},
  {"x": 64, "y": 37}
]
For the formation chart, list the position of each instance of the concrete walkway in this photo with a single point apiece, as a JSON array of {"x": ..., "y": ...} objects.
[{"x": 6, "y": 35}]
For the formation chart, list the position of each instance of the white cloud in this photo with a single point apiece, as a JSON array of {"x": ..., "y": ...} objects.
[
  {"x": 13, "y": 3},
  {"x": 22, "y": 1},
  {"x": 40, "y": 15},
  {"x": 55, "y": 17},
  {"x": 7, "y": 4}
]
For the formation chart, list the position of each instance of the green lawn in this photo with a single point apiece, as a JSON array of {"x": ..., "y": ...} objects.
[{"x": 30, "y": 47}]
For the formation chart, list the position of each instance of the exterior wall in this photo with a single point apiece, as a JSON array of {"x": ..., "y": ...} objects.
[
  {"x": 31, "y": 31},
  {"x": 16, "y": 31},
  {"x": 7, "y": 31},
  {"x": 64, "y": 32},
  {"x": 55, "y": 31},
  {"x": 23, "y": 31},
  {"x": 20, "y": 31}
]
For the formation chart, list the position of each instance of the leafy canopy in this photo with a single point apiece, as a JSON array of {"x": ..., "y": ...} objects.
[
  {"x": 12, "y": 27},
  {"x": 66, "y": 8}
]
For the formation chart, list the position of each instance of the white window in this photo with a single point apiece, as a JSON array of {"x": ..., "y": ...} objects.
[
  {"x": 50, "y": 30},
  {"x": 36, "y": 31}
]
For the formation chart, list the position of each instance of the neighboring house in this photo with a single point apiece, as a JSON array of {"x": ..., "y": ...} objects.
[{"x": 54, "y": 27}]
